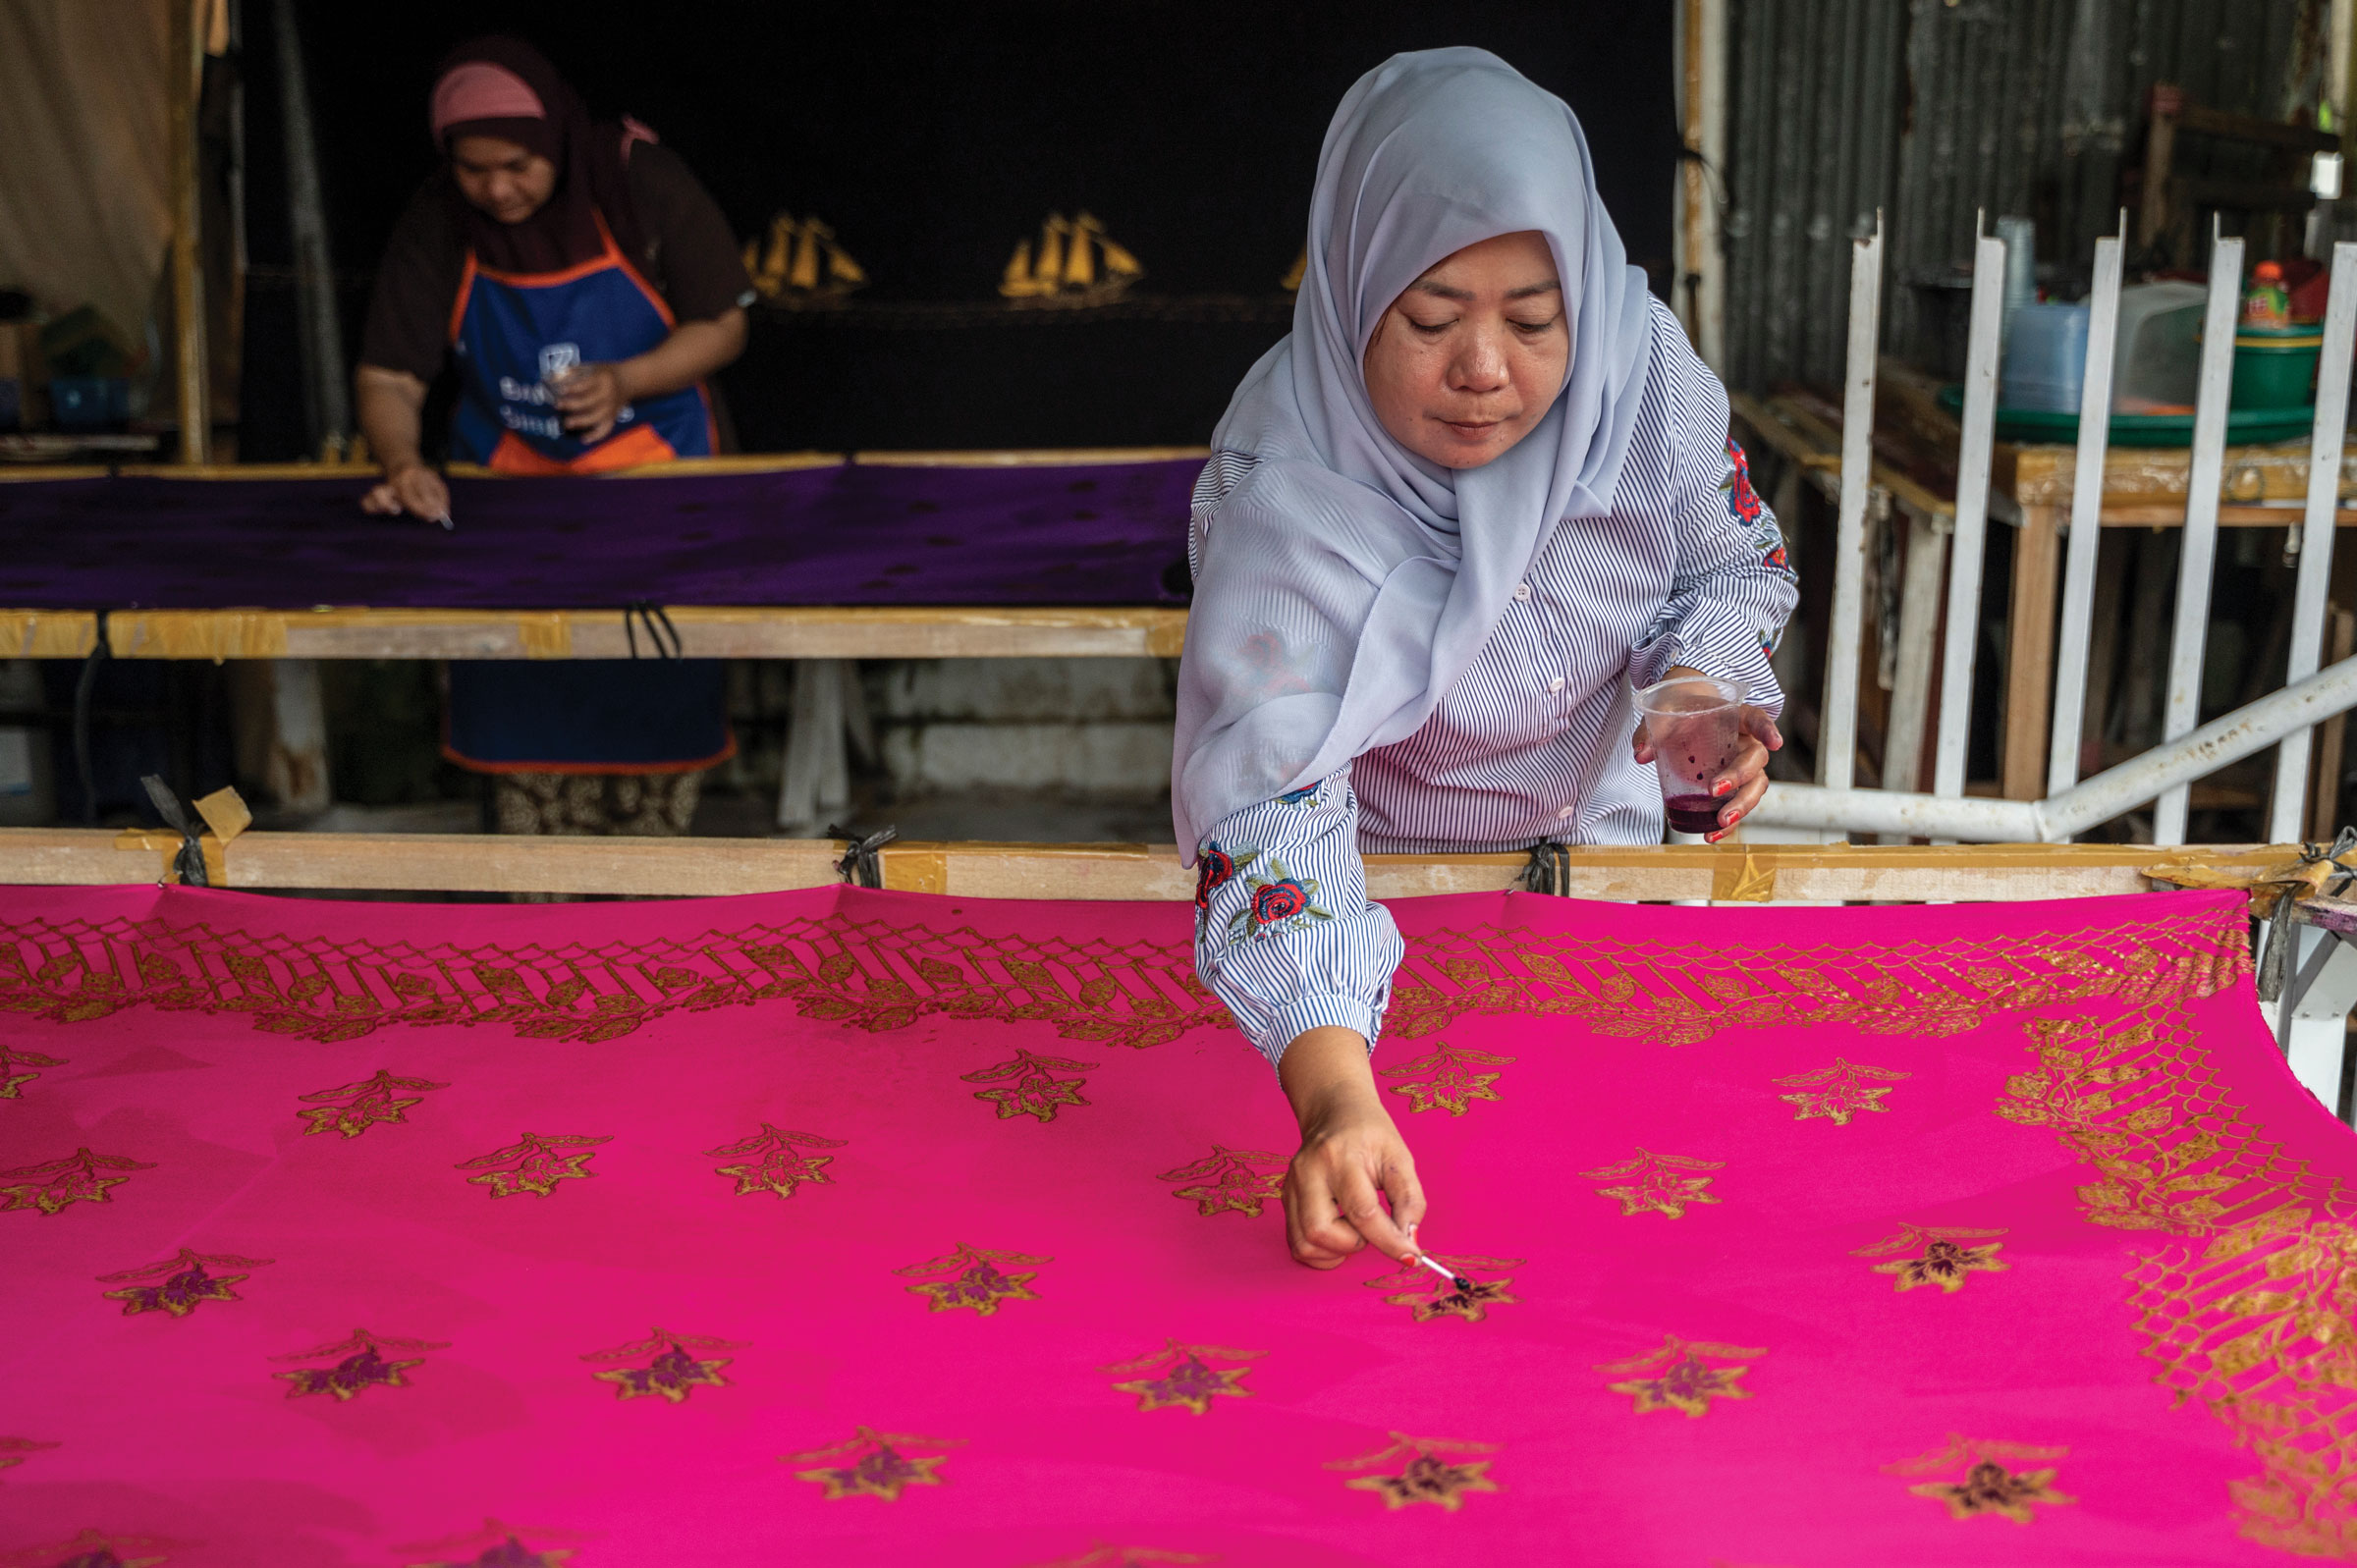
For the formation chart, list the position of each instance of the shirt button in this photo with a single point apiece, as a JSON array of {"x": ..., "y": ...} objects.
[
  {"x": 1557, "y": 685},
  {"x": 1522, "y": 592},
  {"x": 1566, "y": 813}
]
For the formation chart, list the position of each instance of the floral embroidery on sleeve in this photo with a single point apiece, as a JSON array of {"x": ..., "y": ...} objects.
[
  {"x": 1742, "y": 500},
  {"x": 1306, "y": 795},
  {"x": 1278, "y": 903},
  {"x": 1215, "y": 868}
]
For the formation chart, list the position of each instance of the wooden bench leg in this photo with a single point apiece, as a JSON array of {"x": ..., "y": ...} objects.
[{"x": 2030, "y": 653}]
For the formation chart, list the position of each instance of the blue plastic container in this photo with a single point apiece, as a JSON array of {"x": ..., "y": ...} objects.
[
  {"x": 2045, "y": 359},
  {"x": 88, "y": 403}
]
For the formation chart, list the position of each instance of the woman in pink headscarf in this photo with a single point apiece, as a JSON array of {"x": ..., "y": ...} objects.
[
  {"x": 582, "y": 286},
  {"x": 580, "y": 280}
]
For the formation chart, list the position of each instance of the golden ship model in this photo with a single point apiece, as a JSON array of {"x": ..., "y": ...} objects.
[
  {"x": 1076, "y": 264},
  {"x": 803, "y": 264}
]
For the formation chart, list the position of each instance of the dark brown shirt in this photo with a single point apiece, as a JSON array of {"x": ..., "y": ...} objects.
[{"x": 691, "y": 258}]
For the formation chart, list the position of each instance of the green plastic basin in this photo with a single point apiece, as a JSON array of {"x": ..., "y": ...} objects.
[{"x": 2275, "y": 367}]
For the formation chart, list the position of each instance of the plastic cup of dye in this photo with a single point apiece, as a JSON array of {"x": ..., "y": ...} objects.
[{"x": 1696, "y": 725}]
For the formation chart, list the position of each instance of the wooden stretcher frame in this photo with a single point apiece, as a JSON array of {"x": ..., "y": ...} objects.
[
  {"x": 1732, "y": 873},
  {"x": 722, "y": 631}
]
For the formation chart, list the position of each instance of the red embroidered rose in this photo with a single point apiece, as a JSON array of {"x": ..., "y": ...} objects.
[
  {"x": 1741, "y": 499},
  {"x": 1213, "y": 868},
  {"x": 1273, "y": 901},
  {"x": 1776, "y": 558}
]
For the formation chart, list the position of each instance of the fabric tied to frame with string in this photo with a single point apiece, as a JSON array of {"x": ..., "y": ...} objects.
[
  {"x": 197, "y": 839},
  {"x": 2321, "y": 870},
  {"x": 659, "y": 630},
  {"x": 1549, "y": 868},
  {"x": 860, "y": 866}
]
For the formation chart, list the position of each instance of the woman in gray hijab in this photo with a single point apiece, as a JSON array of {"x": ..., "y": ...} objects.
[{"x": 1481, "y": 492}]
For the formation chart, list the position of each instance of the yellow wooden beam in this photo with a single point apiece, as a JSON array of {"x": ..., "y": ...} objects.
[{"x": 675, "y": 867}]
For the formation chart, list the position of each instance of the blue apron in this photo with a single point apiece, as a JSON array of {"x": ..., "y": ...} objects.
[{"x": 511, "y": 333}]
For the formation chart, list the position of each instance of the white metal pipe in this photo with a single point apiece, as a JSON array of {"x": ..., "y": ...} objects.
[
  {"x": 2222, "y": 741},
  {"x": 2086, "y": 516},
  {"x": 2197, "y": 556},
  {"x": 1970, "y": 541},
  {"x": 1898, "y": 813},
  {"x": 2283, "y": 817},
  {"x": 1837, "y": 734}
]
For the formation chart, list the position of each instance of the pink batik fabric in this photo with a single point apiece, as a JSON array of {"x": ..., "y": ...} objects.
[{"x": 858, "y": 1227}]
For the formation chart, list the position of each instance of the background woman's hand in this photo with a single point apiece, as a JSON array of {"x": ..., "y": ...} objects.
[
  {"x": 409, "y": 487},
  {"x": 1351, "y": 1158},
  {"x": 590, "y": 399}
]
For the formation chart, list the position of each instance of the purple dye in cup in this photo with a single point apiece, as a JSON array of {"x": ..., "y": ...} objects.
[{"x": 1692, "y": 813}]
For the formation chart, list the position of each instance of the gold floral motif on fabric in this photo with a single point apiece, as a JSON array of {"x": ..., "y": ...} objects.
[
  {"x": 1241, "y": 1180},
  {"x": 673, "y": 1369},
  {"x": 971, "y": 1277},
  {"x": 1682, "y": 1375},
  {"x": 182, "y": 1282},
  {"x": 2247, "y": 1297},
  {"x": 1676, "y": 994},
  {"x": 1973, "y": 1477},
  {"x": 535, "y": 1163},
  {"x": 97, "y": 1548},
  {"x": 15, "y": 1450},
  {"x": 1104, "y": 1554},
  {"x": 55, "y": 1184},
  {"x": 1427, "y": 1296},
  {"x": 1651, "y": 1183},
  {"x": 497, "y": 1545},
  {"x": 354, "y": 1107},
  {"x": 13, "y": 1058},
  {"x": 1448, "y": 1079},
  {"x": 772, "y": 1160},
  {"x": 360, "y": 1365},
  {"x": 1036, "y": 1090},
  {"x": 874, "y": 975},
  {"x": 1411, "y": 1470},
  {"x": 874, "y": 1464},
  {"x": 1840, "y": 1092},
  {"x": 1187, "y": 1377},
  {"x": 863, "y": 974},
  {"x": 1934, "y": 1255}
]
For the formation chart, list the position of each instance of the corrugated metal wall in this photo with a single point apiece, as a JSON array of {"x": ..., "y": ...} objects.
[{"x": 1933, "y": 109}]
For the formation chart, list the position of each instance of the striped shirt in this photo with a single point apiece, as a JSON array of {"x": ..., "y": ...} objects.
[{"x": 1532, "y": 742}]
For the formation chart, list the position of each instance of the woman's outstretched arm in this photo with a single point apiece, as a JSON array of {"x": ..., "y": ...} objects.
[{"x": 1285, "y": 937}]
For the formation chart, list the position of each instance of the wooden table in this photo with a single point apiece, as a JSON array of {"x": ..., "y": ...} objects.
[{"x": 2030, "y": 488}]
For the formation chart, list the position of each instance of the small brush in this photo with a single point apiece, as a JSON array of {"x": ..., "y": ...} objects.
[{"x": 1446, "y": 1272}]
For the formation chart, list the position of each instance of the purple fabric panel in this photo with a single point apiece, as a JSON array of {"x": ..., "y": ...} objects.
[{"x": 1093, "y": 535}]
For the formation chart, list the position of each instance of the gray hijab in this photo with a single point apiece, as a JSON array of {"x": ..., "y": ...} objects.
[{"x": 1349, "y": 582}]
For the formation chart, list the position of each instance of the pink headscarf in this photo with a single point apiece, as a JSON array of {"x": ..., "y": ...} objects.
[{"x": 504, "y": 87}]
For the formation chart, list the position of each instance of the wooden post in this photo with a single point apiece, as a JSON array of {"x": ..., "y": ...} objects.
[
  {"x": 2030, "y": 653},
  {"x": 191, "y": 28}
]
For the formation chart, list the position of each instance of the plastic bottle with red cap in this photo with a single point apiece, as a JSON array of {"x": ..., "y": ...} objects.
[{"x": 2266, "y": 303}]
